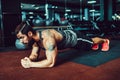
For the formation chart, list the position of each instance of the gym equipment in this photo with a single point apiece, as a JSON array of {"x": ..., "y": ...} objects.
[
  {"x": 53, "y": 27},
  {"x": 38, "y": 21},
  {"x": 20, "y": 45},
  {"x": 94, "y": 24},
  {"x": 117, "y": 16}
]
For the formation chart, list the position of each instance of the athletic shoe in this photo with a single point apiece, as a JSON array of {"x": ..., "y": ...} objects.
[
  {"x": 95, "y": 47},
  {"x": 105, "y": 45}
]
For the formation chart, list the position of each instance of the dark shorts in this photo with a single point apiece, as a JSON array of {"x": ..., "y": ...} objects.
[{"x": 83, "y": 42}]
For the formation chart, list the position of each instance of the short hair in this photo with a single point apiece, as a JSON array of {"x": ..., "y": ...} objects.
[{"x": 24, "y": 27}]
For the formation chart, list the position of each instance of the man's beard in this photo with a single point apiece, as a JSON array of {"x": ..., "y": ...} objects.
[{"x": 31, "y": 42}]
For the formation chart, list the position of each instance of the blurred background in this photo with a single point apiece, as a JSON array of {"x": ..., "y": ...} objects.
[{"x": 92, "y": 17}]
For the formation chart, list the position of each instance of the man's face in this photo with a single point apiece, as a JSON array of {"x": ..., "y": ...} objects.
[{"x": 23, "y": 38}]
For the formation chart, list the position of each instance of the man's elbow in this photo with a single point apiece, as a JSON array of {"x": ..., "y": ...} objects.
[{"x": 51, "y": 64}]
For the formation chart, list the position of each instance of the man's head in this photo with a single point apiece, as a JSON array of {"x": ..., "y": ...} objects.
[{"x": 24, "y": 32}]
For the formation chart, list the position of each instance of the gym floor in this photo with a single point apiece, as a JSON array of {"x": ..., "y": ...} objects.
[{"x": 71, "y": 65}]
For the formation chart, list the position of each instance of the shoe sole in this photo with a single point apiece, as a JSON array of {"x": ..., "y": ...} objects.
[
  {"x": 95, "y": 48},
  {"x": 108, "y": 45}
]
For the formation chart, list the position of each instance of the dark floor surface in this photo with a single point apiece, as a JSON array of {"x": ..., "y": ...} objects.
[{"x": 71, "y": 65}]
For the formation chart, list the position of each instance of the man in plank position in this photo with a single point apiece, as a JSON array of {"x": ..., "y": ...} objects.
[{"x": 51, "y": 41}]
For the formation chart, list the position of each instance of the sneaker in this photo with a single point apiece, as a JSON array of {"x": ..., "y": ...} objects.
[
  {"x": 95, "y": 47},
  {"x": 105, "y": 45}
]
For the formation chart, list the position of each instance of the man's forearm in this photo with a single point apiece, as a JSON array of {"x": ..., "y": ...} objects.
[
  {"x": 42, "y": 64},
  {"x": 34, "y": 54}
]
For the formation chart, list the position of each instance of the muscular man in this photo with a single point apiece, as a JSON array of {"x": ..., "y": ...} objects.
[{"x": 51, "y": 40}]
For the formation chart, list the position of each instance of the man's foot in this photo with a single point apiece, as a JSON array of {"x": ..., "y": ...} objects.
[
  {"x": 95, "y": 47},
  {"x": 105, "y": 45}
]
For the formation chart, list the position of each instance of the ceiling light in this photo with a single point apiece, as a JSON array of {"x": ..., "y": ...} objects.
[
  {"x": 31, "y": 17},
  {"x": 91, "y": 2},
  {"x": 22, "y": 6},
  {"x": 33, "y": 5},
  {"x": 37, "y": 7},
  {"x": 53, "y": 6},
  {"x": 68, "y": 10},
  {"x": 92, "y": 10},
  {"x": 31, "y": 13}
]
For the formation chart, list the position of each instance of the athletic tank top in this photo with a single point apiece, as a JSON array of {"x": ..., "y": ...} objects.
[{"x": 69, "y": 39}]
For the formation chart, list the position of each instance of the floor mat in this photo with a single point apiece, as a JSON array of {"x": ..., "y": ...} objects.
[{"x": 92, "y": 58}]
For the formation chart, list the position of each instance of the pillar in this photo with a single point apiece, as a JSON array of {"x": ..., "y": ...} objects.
[{"x": 10, "y": 18}]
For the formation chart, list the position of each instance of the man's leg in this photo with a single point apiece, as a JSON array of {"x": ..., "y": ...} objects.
[
  {"x": 83, "y": 42},
  {"x": 97, "y": 40}
]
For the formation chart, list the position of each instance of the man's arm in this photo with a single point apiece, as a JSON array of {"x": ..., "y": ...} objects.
[
  {"x": 51, "y": 53},
  {"x": 35, "y": 52}
]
